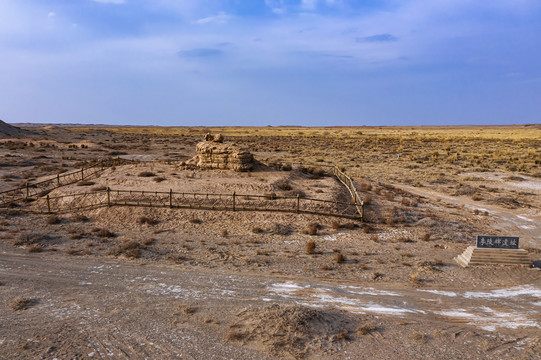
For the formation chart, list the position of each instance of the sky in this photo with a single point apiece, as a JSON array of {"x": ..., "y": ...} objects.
[{"x": 270, "y": 62}]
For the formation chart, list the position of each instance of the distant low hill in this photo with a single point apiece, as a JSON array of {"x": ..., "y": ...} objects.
[{"x": 7, "y": 131}]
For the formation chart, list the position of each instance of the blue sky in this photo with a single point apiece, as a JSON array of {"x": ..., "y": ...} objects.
[{"x": 271, "y": 62}]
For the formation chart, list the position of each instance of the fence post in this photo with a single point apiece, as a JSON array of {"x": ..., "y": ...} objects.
[
  {"x": 58, "y": 179},
  {"x": 298, "y": 202},
  {"x": 108, "y": 197},
  {"x": 48, "y": 204},
  {"x": 234, "y": 201},
  {"x": 27, "y": 190},
  {"x": 82, "y": 174},
  {"x": 362, "y": 211},
  {"x": 171, "y": 198}
]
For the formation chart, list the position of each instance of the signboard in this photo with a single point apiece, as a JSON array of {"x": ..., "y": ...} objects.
[{"x": 497, "y": 242}]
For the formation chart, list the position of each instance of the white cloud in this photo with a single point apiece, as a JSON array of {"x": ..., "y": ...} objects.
[
  {"x": 220, "y": 18},
  {"x": 51, "y": 14}
]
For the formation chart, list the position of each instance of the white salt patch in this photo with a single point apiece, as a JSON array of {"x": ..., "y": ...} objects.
[
  {"x": 330, "y": 238},
  {"x": 488, "y": 319},
  {"x": 506, "y": 293},
  {"x": 368, "y": 291},
  {"x": 439, "y": 292},
  {"x": 527, "y": 227},
  {"x": 524, "y": 218},
  {"x": 537, "y": 303},
  {"x": 389, "y": 310},
  {"x": 85, "y": 283}
]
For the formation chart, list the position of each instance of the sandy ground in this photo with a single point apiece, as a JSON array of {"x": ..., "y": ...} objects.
[{"x": 165, "y": 283}]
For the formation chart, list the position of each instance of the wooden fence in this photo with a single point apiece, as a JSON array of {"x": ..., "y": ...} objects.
[
  {"x": 38, "y": 189},
  {"x": 350, "y": 185},
  {"x": 37, "y": 199},
  {"x": 181, "y": 200}
]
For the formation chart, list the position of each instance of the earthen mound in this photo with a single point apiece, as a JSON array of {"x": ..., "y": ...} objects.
[
  {"x": 217, "y": 155},
  {"x": 292, "y": 331},
  {"x": 7, "y": 131}
]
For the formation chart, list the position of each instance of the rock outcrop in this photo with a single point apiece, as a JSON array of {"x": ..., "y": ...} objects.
[{"x": 213, "y": 154}]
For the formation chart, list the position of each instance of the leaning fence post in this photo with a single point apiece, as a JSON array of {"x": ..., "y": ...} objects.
[
  {"x": 233, "y": 201},
  {"x": 170, "y": 198},
  {"x": 108, "y": 197},
  {"x": 298, "y": 202},
  {"x": 48, "y": 204}
]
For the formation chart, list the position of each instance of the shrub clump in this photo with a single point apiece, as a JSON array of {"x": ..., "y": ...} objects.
[
  {"x": 310, "y": 247},
  {"x": 146, "y": 174},
  {"x": 147, "y": 220}
]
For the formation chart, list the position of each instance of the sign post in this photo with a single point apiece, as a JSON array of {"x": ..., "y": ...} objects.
[{"x": 497, "y": 242}]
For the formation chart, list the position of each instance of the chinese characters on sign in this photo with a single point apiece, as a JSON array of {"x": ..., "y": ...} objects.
[{"x": 497, "y": 242}]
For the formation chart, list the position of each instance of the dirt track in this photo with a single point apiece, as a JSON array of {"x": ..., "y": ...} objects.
[{"x": 95, "y": 308}]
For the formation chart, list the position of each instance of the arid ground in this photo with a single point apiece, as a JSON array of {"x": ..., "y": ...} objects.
[{"x": 159, "y": 282}]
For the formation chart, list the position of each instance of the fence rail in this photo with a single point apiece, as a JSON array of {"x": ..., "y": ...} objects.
[
  {"x": 37, "y": 189},
  {"x": 37, "y": 200},
  {"x": 182, "y": 200},
  {"x": 350, "y": 185}
]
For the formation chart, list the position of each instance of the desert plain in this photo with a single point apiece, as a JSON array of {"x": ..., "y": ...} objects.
[{"x": 166, "y": 282}]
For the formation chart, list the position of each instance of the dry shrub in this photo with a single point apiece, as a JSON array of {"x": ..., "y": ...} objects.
[
  {"x": 405, "y": 239},
  {"x": 72, "y": 251},
  {"x": 365, "y": 186},
  {"x": 366, "y": 329},
  {"x": 146, "y": 174},
  {"x": 283, "y": 185},
  {"x": 130, "y": 248},
  {"x": 376, "y": 275},
  {"x": 390, "y": 221},
  {"x": 26, "y": 239},
  {"x": 417, "y": 336},
  {"x": 425, "y": 236},
  {"x": 374, "y": 237},
  {"x": 196, "y": 221},
  {"x": 235, "y": 335},
  {"x": 281, "y": 229},
  {"x": 367, "y": 199},
  {"x": 80, "y": 218},
  {"x": 149, "y": 241},
  {"x": 147, "y": 220},
  {"x": 159, "y": 179},
  {"x": 339, "y": 258},
  {"x": 53, "y": 219},
  {"x": 257, "y": 230},
  {"x": 415, "y": 278},
  {"x": 326, "y": 267},
  {"x": 311, "y": 229},
  {"x": 34, "y": 249},
  {"x": 22, "y": 303},
  {"x": 406, "y": 201},
  {"x": 310, "y": 247},
  {"x": 187, "y": 309},
  {"x": 224, "y": 233},
  {"x": 339, "y": 225},
  {"x": 103, "y": 233}
]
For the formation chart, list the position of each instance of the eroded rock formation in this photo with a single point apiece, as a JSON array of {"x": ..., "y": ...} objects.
[{"x": 214, "y": 154}]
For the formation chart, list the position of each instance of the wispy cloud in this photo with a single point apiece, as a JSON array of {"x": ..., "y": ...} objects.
[
  {"x": 378, "y": 38},
  {"x": 220, "y": 18},
  {"x": 200, "y": 53}
]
